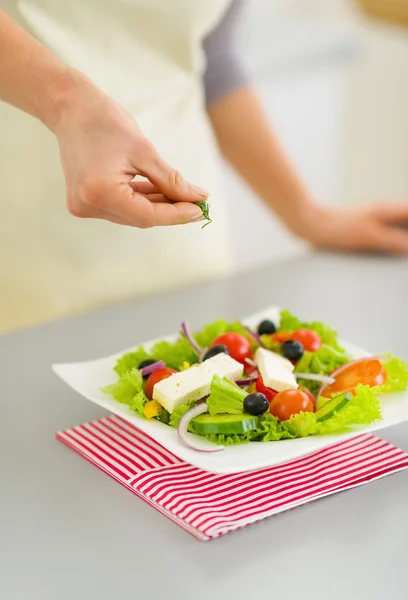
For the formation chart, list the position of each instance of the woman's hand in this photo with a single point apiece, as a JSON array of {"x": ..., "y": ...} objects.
[
  {"x": 102, "y": 150},
  {"x": 373, "y": 228},
  {"x": 250, "y": 145}
]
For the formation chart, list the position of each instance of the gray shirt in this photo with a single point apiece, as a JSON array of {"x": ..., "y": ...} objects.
[{"x": 224, "y": 73}]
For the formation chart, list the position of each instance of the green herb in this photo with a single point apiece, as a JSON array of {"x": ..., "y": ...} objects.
[{"x": 205, "y": 209}]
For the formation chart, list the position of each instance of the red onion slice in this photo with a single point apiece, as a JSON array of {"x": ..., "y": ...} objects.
[
  {"x": 189, "y": 337},
  {"x": 152, "y": 368},
  {"x": 199, "y": 409},
  {"x": 254, "y": 336},
  {"x": 324, "y": 379},
  {"x": 250, "y": 362},
  {"x": 246, "y": 381}
]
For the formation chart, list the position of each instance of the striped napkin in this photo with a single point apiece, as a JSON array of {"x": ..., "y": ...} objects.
[{"x": 209, "y": 505}]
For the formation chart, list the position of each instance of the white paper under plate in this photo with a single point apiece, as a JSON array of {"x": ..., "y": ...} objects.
[{"x": 87, "y": 378}]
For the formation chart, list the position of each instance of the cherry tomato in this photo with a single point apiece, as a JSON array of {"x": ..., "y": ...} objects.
[
  {"x": 261, "y": 387},
  {"x": 155, "y": 377},
  {"x": 238, "y": 346},
  {"x": 309, "y": 339},
  {"x": 367, "y": 371},
  {"x": 290, "y": 402}
]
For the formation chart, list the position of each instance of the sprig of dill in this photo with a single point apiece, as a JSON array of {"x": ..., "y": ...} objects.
[{"x": 205, "y": 208}]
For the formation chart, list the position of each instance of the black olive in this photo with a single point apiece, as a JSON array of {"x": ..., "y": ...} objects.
[
  {"x": 256, "y": 404},
  {"x": 292, "y": 349},
  {"x": 266, "y": 327},
  {"x": 146, "y": 363},
  {"x": 218, "y": 349}
]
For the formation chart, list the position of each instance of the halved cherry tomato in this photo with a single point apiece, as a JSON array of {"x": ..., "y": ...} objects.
[
  {"x": 268, "y": 392},
  {"x": 368, "y": 371},
  {"x": 155, "y": 377},
  {"x": 238, "y": 346},
  {"x": 309, "y": 339},
  {"x": 290, "y": 402}
]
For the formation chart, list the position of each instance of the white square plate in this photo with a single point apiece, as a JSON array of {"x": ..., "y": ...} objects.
[{"x": 87, "y": 378}]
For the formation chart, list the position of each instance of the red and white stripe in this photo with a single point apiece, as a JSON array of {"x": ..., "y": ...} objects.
[{"x": 208, "y": 505}]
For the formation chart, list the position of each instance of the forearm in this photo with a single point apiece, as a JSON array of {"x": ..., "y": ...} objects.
[
  {"x": 249, "y": 144},
  {"x": 31, "y": 78}
]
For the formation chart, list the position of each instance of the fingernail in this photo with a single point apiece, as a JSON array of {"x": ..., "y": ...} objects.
[
  {"x": 198, "y": 217},
  {"x": 200, "y": 191}
]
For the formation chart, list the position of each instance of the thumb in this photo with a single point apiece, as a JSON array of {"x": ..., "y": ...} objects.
[{"x": 169, "y": 181}]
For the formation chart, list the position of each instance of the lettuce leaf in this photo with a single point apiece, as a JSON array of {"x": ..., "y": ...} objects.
[
  {"x": 397, "y": 377},
  {"x": 125, "y": 389},
  {"x": 271, "y": 430},
  {"x": 131, "y": 360},
  {"x": 364, "y": 408},
  {"x": 225, "y": 397},
  {"x": 138, "y": 403},
  {"x": 174, "y": 354},
  {"x": 177, "y": 414},
  {"x": 271, "y": 344},
  {"x": 129, "y": 390}
]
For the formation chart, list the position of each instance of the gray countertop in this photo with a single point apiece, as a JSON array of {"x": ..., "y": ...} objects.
[{"x": 69, "y": 531}]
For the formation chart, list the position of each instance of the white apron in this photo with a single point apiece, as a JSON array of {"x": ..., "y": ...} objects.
[{"x": 147, "y": 55}]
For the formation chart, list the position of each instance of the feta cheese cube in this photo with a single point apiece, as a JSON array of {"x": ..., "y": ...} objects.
[
  {"x": 194, "y": 383},
  {"x": 275, "y": 370}
]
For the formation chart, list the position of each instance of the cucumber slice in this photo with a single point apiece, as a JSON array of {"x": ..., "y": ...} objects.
[
  {"x": 224, "y": 424},
  {"x": 332, "y": 406}
]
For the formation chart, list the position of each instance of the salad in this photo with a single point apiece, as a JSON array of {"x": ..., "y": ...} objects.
[{"x": 236, "y": 385}]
